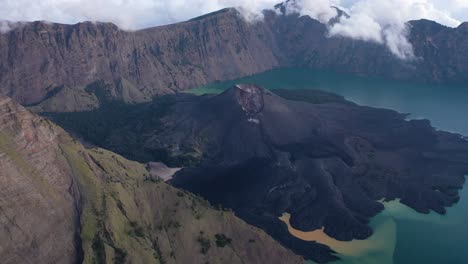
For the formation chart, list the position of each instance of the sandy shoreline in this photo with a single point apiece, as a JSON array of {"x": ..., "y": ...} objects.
[
  {"x": 160, "y": 170},
  {"x": 381, "y": 243}
]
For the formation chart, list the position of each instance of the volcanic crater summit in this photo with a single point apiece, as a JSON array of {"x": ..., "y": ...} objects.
[{"x": 250, "y": 97}]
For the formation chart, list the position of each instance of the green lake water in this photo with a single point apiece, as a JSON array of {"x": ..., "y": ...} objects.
[{"x": 409, "y": 237}]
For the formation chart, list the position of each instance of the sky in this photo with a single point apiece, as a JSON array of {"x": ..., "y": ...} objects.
[{"x": 381, "y": 21}]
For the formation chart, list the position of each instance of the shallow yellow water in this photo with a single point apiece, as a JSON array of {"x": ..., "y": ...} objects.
[
  {"x": 381, "y": 244},
  {"x": 380, "y": 247}
]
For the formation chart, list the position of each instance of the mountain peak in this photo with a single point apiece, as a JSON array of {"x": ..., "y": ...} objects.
[
  {"x": 339, "y": 14},
  {"x": 250, "y": 98},
  {"x": 463, "y": 26},
  {"x": 212, "y": 14}
]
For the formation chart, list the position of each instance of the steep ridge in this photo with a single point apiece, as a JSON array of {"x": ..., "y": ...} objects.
[
  {"x": 39, "y": 199},
  {"x": 326, "y": 161},
  {"x": 38, "y": 58},
  {"x": 87, "y": 63},
  {"x": 62, "y": 203},
  {"x": 439, "y": 51}
]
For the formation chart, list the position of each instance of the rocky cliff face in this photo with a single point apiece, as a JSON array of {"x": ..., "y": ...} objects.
[
  {"x": 443, "y": 51},
  {"x": 440, "y": 51},
  {"x": 37, "y": 59},
  {"x": 87, "y": 63},
  {"x": 62, "y": 203},
  {"x": 39, "y": 199}
]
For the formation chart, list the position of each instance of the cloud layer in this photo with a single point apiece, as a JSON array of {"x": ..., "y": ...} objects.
[
  {"x": 381, "y": 21},
  {"x": 384, "y": 21},
  {"x": 128, "y": 14}
]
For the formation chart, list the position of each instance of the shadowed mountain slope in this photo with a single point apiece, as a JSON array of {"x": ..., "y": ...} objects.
[{"x": 62, "y": 203}]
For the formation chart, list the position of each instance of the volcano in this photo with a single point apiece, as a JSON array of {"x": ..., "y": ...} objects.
[
  {"x": 327, "y": 164},
  {"x": 324, "y": 160}
]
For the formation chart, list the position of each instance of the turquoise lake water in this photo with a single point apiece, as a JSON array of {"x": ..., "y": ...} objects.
[{"x": 432, "y": 238}]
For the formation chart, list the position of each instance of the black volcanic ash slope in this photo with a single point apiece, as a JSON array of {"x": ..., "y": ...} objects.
[{"x": 324, "y": 160}]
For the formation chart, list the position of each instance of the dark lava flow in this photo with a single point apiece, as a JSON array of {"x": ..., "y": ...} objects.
[{"x": 323, "y": 159}]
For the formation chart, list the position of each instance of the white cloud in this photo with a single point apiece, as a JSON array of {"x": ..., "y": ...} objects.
[
  {"x": 128, "y": 14},
  {"x": 353, "y": 28},
  {"x": 395, "y": 37},
  {"x": 381, "y": 21},
  {"x": 4, "y": 27},
  {"x": 134, "y": 14},
  {"x": 318, "y": 9},
  {"x": 385, "y": 21}
]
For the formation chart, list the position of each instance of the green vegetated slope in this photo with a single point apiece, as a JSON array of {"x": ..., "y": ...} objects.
[
  {"x": 130, "y": 217},
  {"x": 64, "y": 203}
]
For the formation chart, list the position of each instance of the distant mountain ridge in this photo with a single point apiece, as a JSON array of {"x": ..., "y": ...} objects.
[
  {"x": 98, "y": 61},
  {"x": 37, "y": 58}
]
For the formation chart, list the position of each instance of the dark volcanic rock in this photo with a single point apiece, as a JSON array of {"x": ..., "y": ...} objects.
[
  {"x": 250, "y": 97},
  {"x": 324, "y": 160},
  {"x": 37, "y": 59},
  {"x": 326, "y": 164}
]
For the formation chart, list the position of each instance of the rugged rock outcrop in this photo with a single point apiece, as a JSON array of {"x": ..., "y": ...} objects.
[
  {"x": 326, "y": 161},
  {"x": 62, "y": 203},
  {"x": 88, "y": 63},
  {"x": 39, "y": 197}
]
